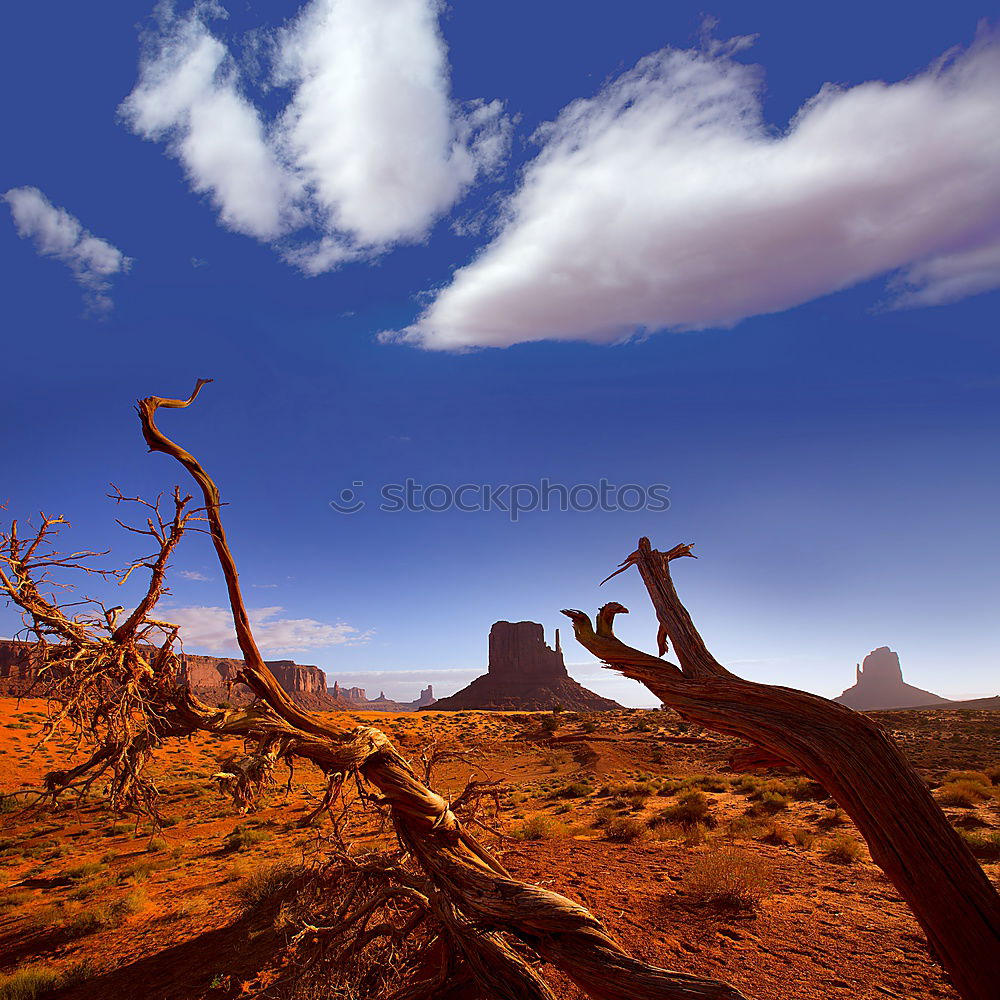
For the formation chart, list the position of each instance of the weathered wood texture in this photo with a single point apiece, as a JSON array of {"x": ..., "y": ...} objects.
[{"x": 848, "y": 753}]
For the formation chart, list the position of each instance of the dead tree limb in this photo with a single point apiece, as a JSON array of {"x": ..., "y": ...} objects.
[{"x": 850, "y": 755}]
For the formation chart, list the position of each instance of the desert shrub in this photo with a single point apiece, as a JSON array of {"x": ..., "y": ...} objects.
[
  {"x": 745, "y": 828},
  {"x": 538, "y": 827},
  {"x": 626, "y": 830},
  {"x": 803, "y": 837},
  {"x": 85, "y": 870},
  {"x": 85, "y": 922},
  {"x": 807, "y": 790},
  {"x": 133, "y": 902},
  {"x": 263, "y": 885},
  {"x": 984, "y": 844},
  {"x": 549, "y": 723},
  {"x": 589, "y": 727},
  {"x": 29, "y": 983},
  {"x": 978, "y": 777},
  {"x": 78, "y": 972},
  {"x": 710, "y": 783},
  {"x": 12, "y": 900},
  {"x": 843, "y": 849},
  {"x": 671, "y": 786},
  {"x": 768, "y": 803},
  {"x": 136, "y": 871},
  {"x": 730, "y": 879},
  {"x": 627, "y": 789},
  {"x": 692, "y": 807},
  {"x": 574, "y": 790},
  {"x": 156, "y": 845},
  {"x": 837, "y": 817},
  {"x": 690, "y": 836},
  {"x": 963, "y": 793},
  {"x": 603, "y": 816},
  {"x": 243, "y": 837},
  {"x": 993, "y": 773},
  {"x": 776, "y": 834},
  {"x": 8, "y": 804}
]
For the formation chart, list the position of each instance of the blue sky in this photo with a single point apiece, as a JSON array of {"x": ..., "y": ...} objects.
[{"x": 506, "y": 243}]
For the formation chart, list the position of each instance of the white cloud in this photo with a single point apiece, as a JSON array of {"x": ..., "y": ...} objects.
[
  {"x": 666, "y": 202},
  {"x": 188, "y": 94},
  {"x": 369, "y": 152},
  {"x": 951, "y": 276},
  {"x": 58, "y": 234},
  {"x": 192, "y": 574},
  {"x": 211, "y": 628}
]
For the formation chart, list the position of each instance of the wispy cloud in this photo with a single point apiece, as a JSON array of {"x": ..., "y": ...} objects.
[
  {"x": 56, "y": 233},
  {"x": 667, "y": 202},
  {"x": 211, "y": 629},
  {"x": 369, "y": 152},
  {"x": 193, "y": 574}
]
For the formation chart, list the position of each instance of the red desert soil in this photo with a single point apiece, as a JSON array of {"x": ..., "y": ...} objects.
[{"x": 635, "y": 814}]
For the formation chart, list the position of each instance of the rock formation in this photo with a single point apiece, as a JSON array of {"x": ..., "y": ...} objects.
[
  {"x": 879, "y": 684},
  {"x": 358, "y": 700},
  {"x": 211, "y": 678},
  {"x": 524, "y": 674}
]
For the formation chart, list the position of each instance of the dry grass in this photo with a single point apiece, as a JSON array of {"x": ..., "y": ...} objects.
[
  {"x": 843, "y": 849},
  {"x": 626, "y": 830},
  {"x": 28, "y": 983},
  {"x": 730, "y": 879},
  {"x": 966, "y": 791}
]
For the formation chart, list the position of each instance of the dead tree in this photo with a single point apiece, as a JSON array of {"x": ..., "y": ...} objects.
[{"x": 849, "y": 754}]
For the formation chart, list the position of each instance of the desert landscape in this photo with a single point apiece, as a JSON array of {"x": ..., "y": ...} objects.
[
  {"x": 371, "y": 659},
  {"x": 757, "y": 879}
]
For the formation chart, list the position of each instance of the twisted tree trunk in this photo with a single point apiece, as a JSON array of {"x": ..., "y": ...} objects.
[{"x": 849, "y": 754}]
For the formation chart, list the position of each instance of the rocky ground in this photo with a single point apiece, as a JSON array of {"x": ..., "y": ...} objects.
[{"x": 756, "y": 879}]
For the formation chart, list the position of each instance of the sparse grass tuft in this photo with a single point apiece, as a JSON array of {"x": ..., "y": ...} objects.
[
  {"x": 729, "y": 878},
  {"x": 574, "y": 790},
  {"x": 29, "y": 983},
  {"x": 626, "y": 830},
  {"x": 965, "y": 793},
  {"x": 538, "y": 827},
  {"x": 984, "y": 844},
  {"x": 691, "y": 808},
  {"x": 843, "y": 849},
  {"x": 263, "y": 884},
  {"x": 243, "y": 837}
]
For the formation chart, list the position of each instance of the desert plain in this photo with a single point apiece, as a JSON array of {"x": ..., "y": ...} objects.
[{"x": 756, "y": 879}]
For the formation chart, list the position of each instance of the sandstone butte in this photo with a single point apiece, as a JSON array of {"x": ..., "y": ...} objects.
[{"x": 524, "y": 674}]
